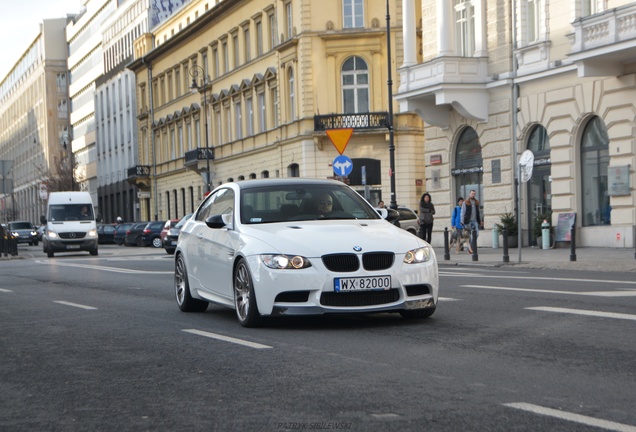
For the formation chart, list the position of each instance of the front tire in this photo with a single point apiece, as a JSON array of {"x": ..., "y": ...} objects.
[
  {"x": 156, "y": 242},
  {"x": 49, "y": 252},
  {"x": 93, "y": 252},
  {"x": 185, "y": 301},
  {"x": 244, "y": 298},
  {"x": 169, "y": 251}
]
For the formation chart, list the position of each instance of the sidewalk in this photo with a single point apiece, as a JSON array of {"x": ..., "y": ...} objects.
[{"x": 587, "y": 258}]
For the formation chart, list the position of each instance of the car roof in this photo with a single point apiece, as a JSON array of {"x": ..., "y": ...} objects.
[{"x": 248, "y": 184}]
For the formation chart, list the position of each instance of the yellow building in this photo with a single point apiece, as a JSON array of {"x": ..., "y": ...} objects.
[{"x": 262, "y": 71}]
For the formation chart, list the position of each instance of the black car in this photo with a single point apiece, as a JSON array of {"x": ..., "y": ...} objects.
[
  {"x": 24, "y": 232},
  {"x": 151, "y": 234},
  {"x": 171, "y": 238},
  {"x": 134, "y": 233},
  {"x": 105, "y": 234},
  {"x": 120, "y": 232}
]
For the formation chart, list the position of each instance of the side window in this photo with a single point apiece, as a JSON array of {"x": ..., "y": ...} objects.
[{"x": 222, "y": 202}]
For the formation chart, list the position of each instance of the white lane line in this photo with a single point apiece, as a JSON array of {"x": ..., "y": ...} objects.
[
  {"x": 5, "y": 290},
  {"x": 103, "y": 268},
  {"x": 584, "y": 312},
  {"x": 577, "y": 418},
  {"x": 475, "y": 275},
  {"x": 75, "y": 305},
  {"x": 447, "y": 299},
  {"x": 227, "y": 339},
  {"x": 619, "y": 293}
]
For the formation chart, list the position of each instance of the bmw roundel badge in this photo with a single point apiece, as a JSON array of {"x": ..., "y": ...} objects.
[{"x": 357, "y": 248}]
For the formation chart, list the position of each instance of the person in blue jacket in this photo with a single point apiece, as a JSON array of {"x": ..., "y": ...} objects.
[{"x": 456, "y": 224}]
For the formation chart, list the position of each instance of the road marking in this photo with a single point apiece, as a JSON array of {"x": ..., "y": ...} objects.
[
  {"x": 75, "y": 305},
  {"x": 227, "y": 339},
  {"x": 619, "y": 293},
  {"x": 103, "y": 268},
  {"x": 476, "y": 275},
  {"x": 447, "y": 299},
  {"x": 577, "y": 418},
  {"x": 585, "y": 312},
  {"x": 5, "y": 290}
]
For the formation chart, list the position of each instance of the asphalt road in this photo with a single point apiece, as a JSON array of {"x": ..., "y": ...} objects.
[{"x": 98, "y": 343}]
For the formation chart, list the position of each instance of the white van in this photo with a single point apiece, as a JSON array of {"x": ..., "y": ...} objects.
[{"x": 70, "y": 224}]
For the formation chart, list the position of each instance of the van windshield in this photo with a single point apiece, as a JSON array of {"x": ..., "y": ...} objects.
[{"x": 71, "y": 212}]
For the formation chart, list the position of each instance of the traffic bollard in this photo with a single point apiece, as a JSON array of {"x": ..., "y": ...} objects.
[
  {"x": 446, "y": 247},
  {"x": 504, "y": 234},
  {"x": 572, "y": 244},
  {"x": 473, "y": 244}
]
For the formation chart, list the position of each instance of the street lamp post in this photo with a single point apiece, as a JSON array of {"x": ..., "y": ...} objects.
[
  {"x": 202, "y": 88},
  {"x": 393, "y": 203}
]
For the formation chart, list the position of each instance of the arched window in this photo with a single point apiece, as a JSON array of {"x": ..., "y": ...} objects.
[
  {"x": 594, "y": 162},
  {"x": 539, "y": 185},
  {"x": 252, "y": 175},
  {"x": 468, "y": 164},
  {"x": 293, "y": 170},
  {"x": 265, "y": 174},
  {"x": 355, "y": 86}
]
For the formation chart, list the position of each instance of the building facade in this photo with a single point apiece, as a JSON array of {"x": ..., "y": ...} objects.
[
  {"x": 34, "y": 123},
  {"x": 86, "y": 65},
  {"x": 553, "y": 77},
  {"x": 261, "y": 72}
]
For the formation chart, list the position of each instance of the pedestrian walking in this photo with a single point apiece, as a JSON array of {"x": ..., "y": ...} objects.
[
  {"x": 471, "y": 215},
  {"x": 426, "y": 219}
]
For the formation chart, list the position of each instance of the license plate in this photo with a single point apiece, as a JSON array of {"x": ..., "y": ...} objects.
[
  {"x": 362, "y": 283},
  {"x": 72, "y": 246},
  {"x": 174, "y": 243}
]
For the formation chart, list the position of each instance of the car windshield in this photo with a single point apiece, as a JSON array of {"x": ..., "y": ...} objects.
[
  {"x": 71, "y": 212},
  {"x": 283, "y": 203},
  {"x": 21, "y": 225}
]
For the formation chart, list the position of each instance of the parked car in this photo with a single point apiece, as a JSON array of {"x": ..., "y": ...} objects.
[
  {"x": 166, "y": 227},
  {"x": 120, "y": 232},
  {"x": 151, "y": 234},
  {"x": 134, "y": 233},
  {"x": 408, "y": 220},
  {"x": 172, "y": 237},
  {"x": 24, "y": 232},
  {"x": 105, "y": 234},
  {"x": 298, "y": 246}
]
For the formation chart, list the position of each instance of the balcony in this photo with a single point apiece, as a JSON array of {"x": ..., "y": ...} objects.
[
  {"x": 433, "y": 88},
  {"x": 139, "y": 176},
  {"x": 602, "y": 44},
  {"x": 198, "y": 159}
]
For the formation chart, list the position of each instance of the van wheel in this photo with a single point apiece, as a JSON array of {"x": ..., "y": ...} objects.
[
  {"x": 49, "y": 253},
  {"x": 93, "y": 252}
]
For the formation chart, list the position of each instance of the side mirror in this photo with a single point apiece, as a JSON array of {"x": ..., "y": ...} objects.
[
  {"x": 215, "y": 221},
  {"x": 43, "y": 220}
]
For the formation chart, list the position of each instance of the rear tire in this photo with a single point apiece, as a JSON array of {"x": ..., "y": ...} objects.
[
  {"x": 170, "y": 251},
  {"x": 156, "y": 242},
  {"x": 185, "y": 301},
  {"x": 140, "y": 241}
]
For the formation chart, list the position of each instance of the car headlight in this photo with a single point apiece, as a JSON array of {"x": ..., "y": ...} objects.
[
  {"x": 15, "y": 234},
  {"x": 418, "y": 255},
  {"x": 92, "y": 233},
  {"x": 285, "y": 261},
  {"x": 52, "y": 234},
  {"x": 33, "y": 233}
]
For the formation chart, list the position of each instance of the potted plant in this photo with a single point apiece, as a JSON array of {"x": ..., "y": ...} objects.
[{"x": 508, "y": 221}]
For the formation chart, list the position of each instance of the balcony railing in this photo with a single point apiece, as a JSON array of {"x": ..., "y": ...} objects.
[
  {"x": 139, "y": 171},
  {"x": 606, "y": 28},
  {"x": 372, "y": 120},
  {"x": 193, "y": 156}
]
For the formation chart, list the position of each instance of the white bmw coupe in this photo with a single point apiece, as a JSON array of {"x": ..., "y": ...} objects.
[{"x": 296, "y": 246}]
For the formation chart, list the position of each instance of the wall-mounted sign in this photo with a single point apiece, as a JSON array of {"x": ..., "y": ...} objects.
[
  {"x": 436, "y": 159},
  {"x": 618, "y": 180}
]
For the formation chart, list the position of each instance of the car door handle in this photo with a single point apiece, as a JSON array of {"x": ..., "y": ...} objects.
[{"x": 199, "y": 236}]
